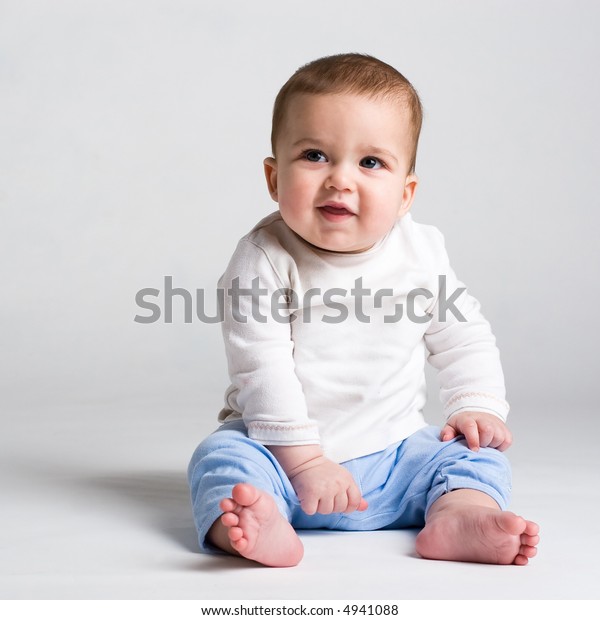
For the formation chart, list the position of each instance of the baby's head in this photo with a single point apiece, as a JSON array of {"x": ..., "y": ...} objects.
[
  {"x": 344, "y": 139},
  {"x": 351, "y": 74}
]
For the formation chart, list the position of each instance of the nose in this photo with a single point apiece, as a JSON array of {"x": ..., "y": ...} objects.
[{"x": 340, "y": 178}]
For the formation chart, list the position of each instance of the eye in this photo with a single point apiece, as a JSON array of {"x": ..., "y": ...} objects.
[
  {"x": 371, "y": 162},
  {"x": 314, "y": 156}
]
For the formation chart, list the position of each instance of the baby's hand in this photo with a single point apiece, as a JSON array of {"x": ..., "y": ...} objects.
[
  {"x": 321, "y": 485},
  {"x": 480, "y": 430},
  {"x": 326, "y": 487}
]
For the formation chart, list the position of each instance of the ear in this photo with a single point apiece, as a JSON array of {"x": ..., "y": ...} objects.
[
  {"x": 410, "y": 188},
  {"x": 270, "y": 166}
]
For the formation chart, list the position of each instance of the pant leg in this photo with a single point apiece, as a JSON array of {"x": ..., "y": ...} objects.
[
  {"x": 487, "y": 470},
  {"x": 224, "y": 459},
  {"x": 402, "y": 482},
  {"x": 228, "y": 457}
]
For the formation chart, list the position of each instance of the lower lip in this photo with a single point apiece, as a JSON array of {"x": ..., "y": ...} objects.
[{"x": 335, "y": 215}]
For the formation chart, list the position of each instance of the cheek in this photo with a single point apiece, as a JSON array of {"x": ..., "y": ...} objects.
[
  {"x": 388, "y": 198},
  {"x": 294, "y": 191}
]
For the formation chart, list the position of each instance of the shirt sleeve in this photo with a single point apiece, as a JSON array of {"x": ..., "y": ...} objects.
[
  {"x": 463, "y": 349},
  {"x": 260, "y": 352}
]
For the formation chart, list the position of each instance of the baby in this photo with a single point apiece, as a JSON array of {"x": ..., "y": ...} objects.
[{"x": 331, "y": 306}]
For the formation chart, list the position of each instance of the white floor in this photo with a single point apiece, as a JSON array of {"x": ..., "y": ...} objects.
[{"x": 95, "y": 505}]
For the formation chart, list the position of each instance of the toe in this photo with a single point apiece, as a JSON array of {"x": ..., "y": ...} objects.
[
  {"x": 531, "y": 528},
  {"x": 239, "y": 545},
  {"x": 227, "y": 505},
  {"x": 235, "y": 534},
  {"x": 532, "y": 541},
  {"x": 521, "y": 560},
  {"x": 245, "y": 494},
  {"x": 527, "y": 551},
  {"x": 229, "y": 519},
  {"x": 511, "y": 523}
]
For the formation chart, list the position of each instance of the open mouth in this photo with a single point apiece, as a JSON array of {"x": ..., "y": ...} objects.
[{"x": 335, "y": 212}]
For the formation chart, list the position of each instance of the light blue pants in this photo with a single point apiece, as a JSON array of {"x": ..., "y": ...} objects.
[{"x": 400, "y": 483}]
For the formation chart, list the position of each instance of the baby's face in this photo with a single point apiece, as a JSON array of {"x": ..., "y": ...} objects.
[{"x": 341, "y": 175}]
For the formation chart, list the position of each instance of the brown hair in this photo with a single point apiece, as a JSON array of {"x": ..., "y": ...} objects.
[{"x": 357, "y": 74}]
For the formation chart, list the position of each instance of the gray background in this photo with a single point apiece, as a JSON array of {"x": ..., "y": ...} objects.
[{"x": 132, "y": 135}]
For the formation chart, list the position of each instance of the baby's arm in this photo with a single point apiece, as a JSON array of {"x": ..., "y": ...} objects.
[
  {"x": 321, "y": 485},
  {"x": 463, "y": 349},
  {"x": 480, "y": 430}
]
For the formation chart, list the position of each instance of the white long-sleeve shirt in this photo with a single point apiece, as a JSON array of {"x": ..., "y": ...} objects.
[{"x": 326, "y": 351}]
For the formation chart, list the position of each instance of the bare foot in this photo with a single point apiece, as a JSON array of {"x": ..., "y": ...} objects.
[
  {"x": 478, "y": 534},
  {"x": 256, "y": 529}
]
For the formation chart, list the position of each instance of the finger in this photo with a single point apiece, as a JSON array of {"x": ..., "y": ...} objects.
[
  {"x": 502, "y": 439},
  {"x": 340, "y": 502},
  {"x": 447, "y": 433},
  {"x": 471, "y": 432},
  {"x": 354, "y": 499},
  {"x": 506, "y": 443},
  {"x": 309, "y": 505},
  {"x": 325, "y": 506},
  {"x": 363, "y": 505},
  {"x": 486, "y": 435},
  {"x": 497, "y": 440}
]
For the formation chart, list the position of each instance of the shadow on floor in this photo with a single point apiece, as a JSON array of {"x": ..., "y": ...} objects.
[{"x": 161, "y": 499}]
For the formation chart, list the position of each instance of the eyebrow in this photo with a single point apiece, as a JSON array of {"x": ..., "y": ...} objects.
[
  {"x": 379, "y": 151},
  {"x": 374, "y": 150},
  {"x": 311, "y": 140}
]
